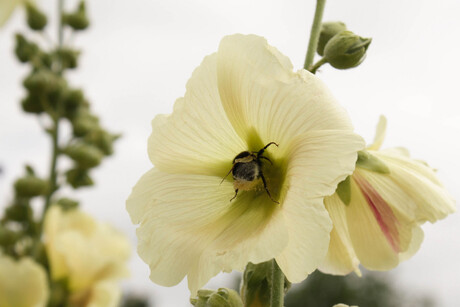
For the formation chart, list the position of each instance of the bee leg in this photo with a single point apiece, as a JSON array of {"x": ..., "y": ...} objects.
[
  {"x": 236, "y": 193},
  {"x": 266, "y": 189},
  {"x": 262, "y": 157},
  {"x": 266, "y": 146},
  {"x": 227, "y": 173}
]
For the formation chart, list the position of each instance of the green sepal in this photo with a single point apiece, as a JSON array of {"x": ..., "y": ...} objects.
[
  {"x": 36, "y": 19},
  {"x": 77, "y": 20},
  {"x": 344, "y": 191},
  {"x": 221, "y": 298},
  {"x": 371, "y": 163}
]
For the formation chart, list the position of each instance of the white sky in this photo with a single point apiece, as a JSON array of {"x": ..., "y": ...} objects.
[{"x": 139, "y": 54}]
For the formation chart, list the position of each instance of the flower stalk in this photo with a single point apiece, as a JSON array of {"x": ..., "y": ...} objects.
[
  {"x": 314, "y": 33},
  {"x": 277, "y": 288}
]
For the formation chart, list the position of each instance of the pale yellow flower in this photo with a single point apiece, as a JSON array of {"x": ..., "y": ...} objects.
[
  {"x": 23, "y": 283},
  {"x": 84, "y": 251},
  {"x": 7, "y": 8},
  {"x": 241, "y": 98},
  {"x": 390, "y": 196}
]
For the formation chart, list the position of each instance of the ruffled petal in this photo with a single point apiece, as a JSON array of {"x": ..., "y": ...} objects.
[
  {"x": 379, "y": 134},
  {"x": 378, "y": 233},
  {"x": 187, "y": 214},
  {"x": 23, "y": 283},
  {"x": 7, "y": 8},
  {"x": 309, "y": 226},
  {"x": 319, "y": 160},
  {"x": 197, "y": 138},
  {"x": 413, "y": 188},
  {"x": 261, "y": 95},
  {"x": 341, "y": 258}
]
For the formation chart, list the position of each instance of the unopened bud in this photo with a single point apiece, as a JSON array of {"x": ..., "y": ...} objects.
[
  {"x": 85, "y": 155},
  {"x": 35, "y": 18},
  {"x": 43, "y": 81},
  {"x": 102, "y": 140},
  {"x": 24, "y": 49},
  {"x": 68, "y": 57},
  {"x": 32, "y": 104},
  {"x": 77, "y": 20},
  {"x": 19, "y": 211},
  {"x": 220, "y": 298},
  {"x": 31, "y": 186},
  {"x": 78, "y": 177},
  {"x": 73, "y": 100},
  {"x": 328, "y": 31},
  {"x": 84, "y": 123},
  {"x": 346, "y": 50}
]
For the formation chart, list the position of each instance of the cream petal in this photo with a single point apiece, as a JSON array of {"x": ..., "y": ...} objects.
[
  {"x": 379, "y": 134},
  {"x": 378, "y": 232},
  {"x": 322, "y": 159},
  {"x": 105, "y": 294},
  {"x": 412, "y": 187},
  {"x": 261, "y": 95},
  {"x": 6, "y": 9},
  {"x": 341, "y": 258},
  {"x": 187, "y": 214},
  {"x": 197, "y": 138},
  {"x": 415, "y": 243},
  {"x": 23, "y": 283},
  {"x": 309, "y": 227}
]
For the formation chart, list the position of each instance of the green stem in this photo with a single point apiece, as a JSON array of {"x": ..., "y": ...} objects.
[
  {"x": 317, "y": 65},
  {"x": 314, "y": 34},
  {"x": 277, "y": 289}
]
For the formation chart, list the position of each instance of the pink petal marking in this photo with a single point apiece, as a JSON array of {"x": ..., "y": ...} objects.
[{"x": 382, "y": 212}]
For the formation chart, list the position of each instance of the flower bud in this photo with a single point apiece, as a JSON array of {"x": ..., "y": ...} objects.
[
  {"x": 43, "y": 81},
  {"x": 221, "y": 298},
  {"x": 68, "y": 57},
  {"x": 24, "y": 49},
  {"x": 346, "y": 50},
  {"x": 102, "y": 140},
  {"x": 31, "y": 186},
  {"x": 35, "y": 18},
  {"x": 77, "y": 20},
  {"x": 85, "y": 155},
  {"x": 32, "y": 104},
  {"x": 329, "y": 30},
  {"x": 19, "y": 211},
  {"x": 84, "y": 123},
  {"x": 78, "y": 177},
  {"x": 73, "y": 100}
]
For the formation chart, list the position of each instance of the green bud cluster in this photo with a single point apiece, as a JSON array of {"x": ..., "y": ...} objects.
[
  {"x": 221, "y": 298},
  {"x": 341, "y": 48}
]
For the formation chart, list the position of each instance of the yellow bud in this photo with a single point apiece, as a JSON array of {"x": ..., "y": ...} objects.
[
  {"x": 329, "y": 30},
  {"x": 346, "y": 50}
]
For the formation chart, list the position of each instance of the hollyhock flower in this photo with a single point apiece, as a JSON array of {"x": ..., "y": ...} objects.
[
  {"x": 240, "y": 99},
  {"x": 90, "y": 255},
  {"x": 377, "y": 211},
  {"x": 23, "y": 283}
]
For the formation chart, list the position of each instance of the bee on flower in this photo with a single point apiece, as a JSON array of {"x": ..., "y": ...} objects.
[
  {"x": 239, "y": 103},
  {"x": 378, "y": 210}
]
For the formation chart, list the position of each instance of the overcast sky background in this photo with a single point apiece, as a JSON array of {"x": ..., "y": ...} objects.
[{"x": 138, "y": 56}]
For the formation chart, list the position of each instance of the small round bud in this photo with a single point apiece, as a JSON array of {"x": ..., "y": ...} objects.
[
  {"x": 328, "y": 31},
  {"x": 19, "y": 211},
  {"x": 24, "y": 49},
  {"x": 31, "y": 186},
  {"x": 346, "y": 50},
  {"x": 85, "y": 155},
  {"x": 35, "y": 18},
  {"x": 73, "y": 100},
  {"x": 43, "y": 81},
  {"x": 220, "y": 298},
  {"x": 102, "y": 140},
  {"x": 77, "y": 20},
  {"x": 78, "y": 177}
]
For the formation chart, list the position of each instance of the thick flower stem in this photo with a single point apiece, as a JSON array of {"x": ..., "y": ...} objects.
[
  {"x": 277, "y": 286},
  {"x": 314, "y": 34}
]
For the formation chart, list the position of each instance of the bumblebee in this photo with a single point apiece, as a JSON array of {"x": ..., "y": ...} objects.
[{"x": 247, "y": 170}]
